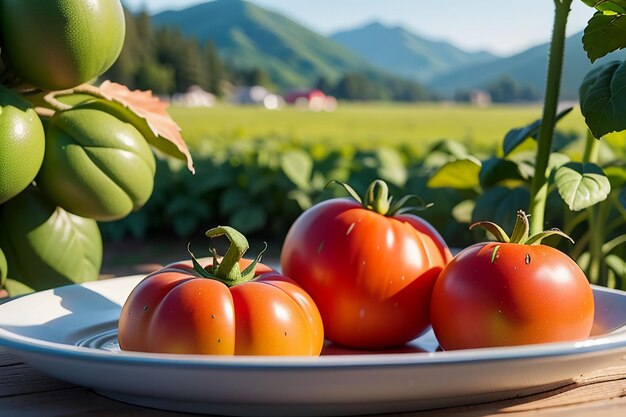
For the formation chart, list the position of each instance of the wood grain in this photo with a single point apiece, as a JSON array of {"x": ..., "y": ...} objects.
[{"x": 25, "y": 392}]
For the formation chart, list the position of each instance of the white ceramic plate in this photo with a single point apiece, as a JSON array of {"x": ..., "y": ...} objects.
[{"x": 70, "y": 333}]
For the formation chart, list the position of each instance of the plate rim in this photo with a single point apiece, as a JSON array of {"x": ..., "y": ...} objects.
[{"x": 17, "y": 343}]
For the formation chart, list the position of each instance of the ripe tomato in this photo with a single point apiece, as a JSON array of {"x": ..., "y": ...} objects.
[
  {"x": 510, "y": 293},
  {"x": 369, "y": 268},
  {"x": 58, "y": 44},
  {"x": 179, "y": 310}
]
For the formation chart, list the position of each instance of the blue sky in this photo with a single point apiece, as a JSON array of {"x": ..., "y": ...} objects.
[{"x": 473, "y": 25}]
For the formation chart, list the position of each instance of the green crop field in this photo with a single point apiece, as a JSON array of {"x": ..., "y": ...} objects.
[{"x": 366, "y": 125}]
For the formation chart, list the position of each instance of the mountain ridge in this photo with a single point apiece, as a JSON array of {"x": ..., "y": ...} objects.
[
  {"x": 527, "y": 68},
  {"x": 405, "y": 53},
  {"x": 249, "y": 36}
]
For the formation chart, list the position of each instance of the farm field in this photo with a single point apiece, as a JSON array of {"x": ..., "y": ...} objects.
[{"x": 366, "y": 125}]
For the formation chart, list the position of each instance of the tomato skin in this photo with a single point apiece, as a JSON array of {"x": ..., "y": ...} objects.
[
  {"x": 526, "y": 294},
  {"x": 370, "y": 276},
  {"x": 175, "y": 310}
]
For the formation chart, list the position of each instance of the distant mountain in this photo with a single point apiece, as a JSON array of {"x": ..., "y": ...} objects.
[
  {"x": 527, "y": 68},
  {"x": 403, "y": 53},
  {"x": 250, "y": 37}
]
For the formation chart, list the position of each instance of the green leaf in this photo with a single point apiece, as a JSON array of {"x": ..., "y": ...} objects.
[
  {"x": 391, "y": 167},
  {"x": 232, "y": 199},
  {"x": 494, "y": 229},
  {"x": 609, "y": 246},
  {"x": 495, "y": 170},
  {"x": 185, "y": 225},
  {"x": 581, "y": 185},
  {"x": 617, "y": 265},
  {"x": 45, "y": 246},
  {"x": 450, "y": 147},
  {"x": 622, "y": 197},
  {"x": 603, "y": 99},
  {"x": 584, "y": 260},
  {"x": 209, "y": 177},
  {"x": 556, "y": 160},
  {"x": 515, "y": 137},
  {"x": 462, "y": 212},
  {"x": 616, "y": 6},
  {"x": 604, "y": 34},
  {"x": 298, "y": 167},
  {"x": 186, "y": 214},
  {"x": 500, "y": 205},
  {"x": 301, "y": 198},
  {"x": 248, "y": 219},
  {"x": 460, "y": 174},
  {"x": 525, "y": 161},
  {"x": 616, "y": 175}
]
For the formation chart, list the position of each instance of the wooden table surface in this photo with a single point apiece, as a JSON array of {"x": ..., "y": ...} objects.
[{"x": 24, "y": 391}]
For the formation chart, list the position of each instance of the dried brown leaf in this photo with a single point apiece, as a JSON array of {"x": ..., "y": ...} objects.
[{"x": 154, "y": 112}]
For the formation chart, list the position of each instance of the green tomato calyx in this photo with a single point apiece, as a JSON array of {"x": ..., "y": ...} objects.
[
  {"x": 378, "y": 200},
  {"x": 227, "y": 270},
  {"x": 521, "y": 231}
]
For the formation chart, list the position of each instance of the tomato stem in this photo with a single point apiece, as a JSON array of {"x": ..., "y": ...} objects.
[
  {"x": 377, "y": 199},
  {"x": 228, "y": 270},
  {"x": 520, "y": 233}
]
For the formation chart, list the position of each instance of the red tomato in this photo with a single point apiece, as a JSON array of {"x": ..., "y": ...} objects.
[
  {"x": 507, "y": 293},
  {"x": 176, "y": 310},
  {"x": 370, "y": 275}
]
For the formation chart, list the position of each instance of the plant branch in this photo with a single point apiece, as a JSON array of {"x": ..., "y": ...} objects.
[
  {"x": 44, "y": 111},
  {"x": 51, "y": 97},
  {"x": 539, "y": 189},
  {"x": 52, "y": 101}
]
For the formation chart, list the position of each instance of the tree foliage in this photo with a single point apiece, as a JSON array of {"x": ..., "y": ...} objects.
[{"x": 165, "y": 61}]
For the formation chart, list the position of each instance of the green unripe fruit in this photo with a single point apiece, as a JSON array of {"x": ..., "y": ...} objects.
[
  {"x": 96, "y": 165},
  {"x": 59, "y": 44},
  {"x": 3, "y": 268},
  {"x": 22, "y": 145},
  {"x": 45, "y": 246}
]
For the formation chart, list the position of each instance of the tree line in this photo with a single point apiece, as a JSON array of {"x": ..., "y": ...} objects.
[
  {"x": 504, "y": 90},
  {"x": 165, "y": 61}
]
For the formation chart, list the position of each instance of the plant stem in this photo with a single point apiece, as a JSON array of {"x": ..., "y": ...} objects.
[
  {"x": 539, "y": 188},
  {"x": 597, "y": 218},
  {"x": 595, "y": 247},
  {"x": 592, "y": 148}
]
